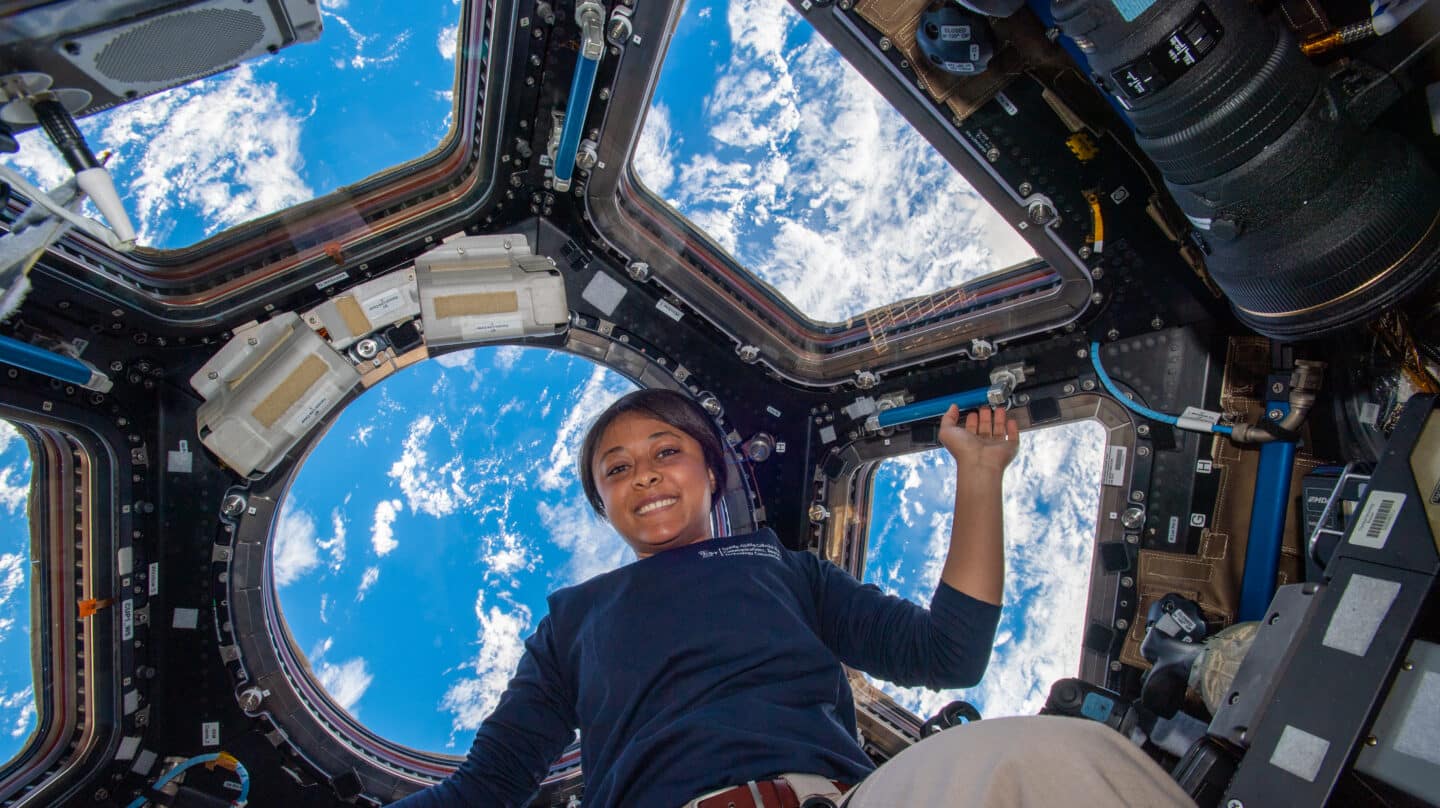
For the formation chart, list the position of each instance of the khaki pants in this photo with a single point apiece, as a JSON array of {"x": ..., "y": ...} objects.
[{"x": 1030, "y": 761}]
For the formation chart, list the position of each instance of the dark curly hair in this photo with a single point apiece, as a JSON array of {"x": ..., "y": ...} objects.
[{"x": 673, "y": 408}]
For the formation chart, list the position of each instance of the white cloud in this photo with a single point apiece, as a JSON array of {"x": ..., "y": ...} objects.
[
  {"x": 654, "y": 162},
  {"x": 507, "y": 355},
  {"x": 1051, "y": 498},
  {"x": 321, "y": 649},
  {"x": 458, "y": 359},
  {"x": 500, "y": 637},
  {"x": 8, "y": 435},
  {"x": 226, "y": 147},
  {"x": 335, "y": 545},
  {"x": 448, "y": 41},
  {"x": 324, "y": 607},
  {"x": 294, "y": 552},
  {"x": 346, "y": 682},
  {"x": 438, "y": 491},
  {"x": 362, "y": 435},
  {"x": 14, "y": 493},
  {"x": 816, "y": 184},
  {"x": 600, "y": 391},
  {"x": 372, "y": 574},
  {"x": 24, "y": 700},
  {"x": 382, "y": 532},
  {"x": 12, "y": 577},
  {"x": 39, "y": 162},
  {"x": 594, "y": 545}
]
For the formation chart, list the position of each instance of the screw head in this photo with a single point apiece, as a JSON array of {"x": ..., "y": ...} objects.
[
  {"x": 1026, "y": 189},
  {"x": 1275, "y": 415},
  {"x": 1086, "y": 253},
  {"x": 1116, "y": 666},
  {"x": 1097, "y": 298},
  {"x": 1157, "y": 323},
  {"x": 749, "y": 354},
  {"x": 233, "y": 505},
  {"x": 1142, "y": 430},
  {"x": 992, "y": 154},
  {"x": 1113, "y": 334},
  {"x": 1234, "y": 804},
  {"x": 819, "y": 513},
  {"x": 1069, "y": 389},
  {"x": 1087, "y": 385}
]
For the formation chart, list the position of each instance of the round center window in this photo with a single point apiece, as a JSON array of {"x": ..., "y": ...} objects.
[{"x": 420, "y": 538}]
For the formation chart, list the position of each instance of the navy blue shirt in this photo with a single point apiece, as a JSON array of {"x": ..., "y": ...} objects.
[{"x": 706, "y": 666}]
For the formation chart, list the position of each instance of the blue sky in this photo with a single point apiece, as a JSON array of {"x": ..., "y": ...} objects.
[
  {"x": 17, "y": 694},
  {"x": 416, "y": 547}
]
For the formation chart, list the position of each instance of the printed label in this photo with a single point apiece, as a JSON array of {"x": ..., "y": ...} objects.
[
  {"x": 771, "y": 409},
  {"x": 1115, "y": 465},
  {"x": 669, "y": 310},
  {"x": 1376, "y": 519},
  {"x": 377, "y": 307},
  {"x": 1000, "y": 98},
  {"x": 493, "y": 326},
  {"x": 313, "y": 409},
  {"x": 1174, "y": 534},
  {"x": 1197, "y": 520},
  {"x": 1199, "y": 414},
  {"x": 738, "y": 550},
  {"x": 210, "y": 733},
  {"x": 954, "y": 33},
  {"x": 1204, "y": 466},
  {"x": 127, "y": 620},
  {"x": 154, "y": 581},
  {"x": 332, "y": 280}
]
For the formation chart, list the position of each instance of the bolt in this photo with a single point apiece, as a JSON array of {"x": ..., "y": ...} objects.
[
  {"x": 1234, "y": 804},
  {"x": 1097, "y": 298},
  {"x": 1133, "y": 517},
  {"x": 1408, "y": 666},
  {"x": 1116, "y": 666},
  {"x": 1371, "y": 741},
  {"x": 1098, "y": 272},
  {"x": 1157, "y": 323},
  {"x": 117, "y": 366},
  {"x": 1132, "y": 538},
  {"x": 865, "y": 379},
  {"x": 639, "y": 271},
  {"x": 992, "y": 154},
  {"x": 367, "y": 348},
  {"x": 1122, "y": 624},
  {"x": 1127, "y": 581},
  {"x": 819, "y": 513},
  {"x": 1277, "y": 388},
  {"x": 1142, "y": 430},
  {"x": 1275, "y": 415},
  {"x": 749, "y": 354},
  {"x": 233, "y": 505},
  {"x": 1087, "y": 385},
  {"x": 604, "y": 93},
  {"x": 1069, "y": 389},
  {"x": 1137, "y": 496},
  {"x": 1085, "y": 252},
  {"x": 1142, "y": 451},
  {"x": 1082, "y": 353},
  {"x": 711, "y": 405},
  {"x": 251, "y": 699},
  {"x": 1113, "y": 334},
  {"x": 1026, "y": 188},
  {"x": 1023, "y": 398},
  {"x": 884, "y": 43}
]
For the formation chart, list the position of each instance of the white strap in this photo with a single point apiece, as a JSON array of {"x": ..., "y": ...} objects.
[{"x": 806, "y": 786}]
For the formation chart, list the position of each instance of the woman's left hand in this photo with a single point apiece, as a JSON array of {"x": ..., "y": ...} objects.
[{"x": 986, "y": 441}]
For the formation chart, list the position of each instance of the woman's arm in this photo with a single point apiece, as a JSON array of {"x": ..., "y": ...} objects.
[
  {"x": 982, "y": 447},
  {"x": 532, "y": 724}
]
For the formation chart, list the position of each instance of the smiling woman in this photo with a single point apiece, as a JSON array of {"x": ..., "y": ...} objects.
[{"x": 419, "y": 540}]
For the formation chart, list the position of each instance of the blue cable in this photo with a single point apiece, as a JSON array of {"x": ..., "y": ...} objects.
[
  {"x": 240, "y": 772},
  {"x": 1164, "y": 418}
]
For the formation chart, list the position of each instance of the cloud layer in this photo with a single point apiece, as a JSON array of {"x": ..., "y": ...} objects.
[{"x": 812, "y": 181}]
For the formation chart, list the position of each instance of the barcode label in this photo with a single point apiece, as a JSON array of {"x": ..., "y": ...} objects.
[
  {"x": 1372, "y": 529},
  {"x": 1115, "y": 465}
]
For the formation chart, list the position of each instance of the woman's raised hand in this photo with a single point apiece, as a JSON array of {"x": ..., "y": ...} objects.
[{"x": 986, "y": 441}]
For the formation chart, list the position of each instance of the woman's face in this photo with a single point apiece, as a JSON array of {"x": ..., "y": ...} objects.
[{"x": 654, "y": 483}]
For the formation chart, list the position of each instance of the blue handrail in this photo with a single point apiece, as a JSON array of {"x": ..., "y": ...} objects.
[{"x": 592, "y": 46}]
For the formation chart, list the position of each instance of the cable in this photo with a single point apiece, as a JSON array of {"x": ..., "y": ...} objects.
[
  {"x": 222, "y": 759},
  {"x": 1181, "y": 422}
]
